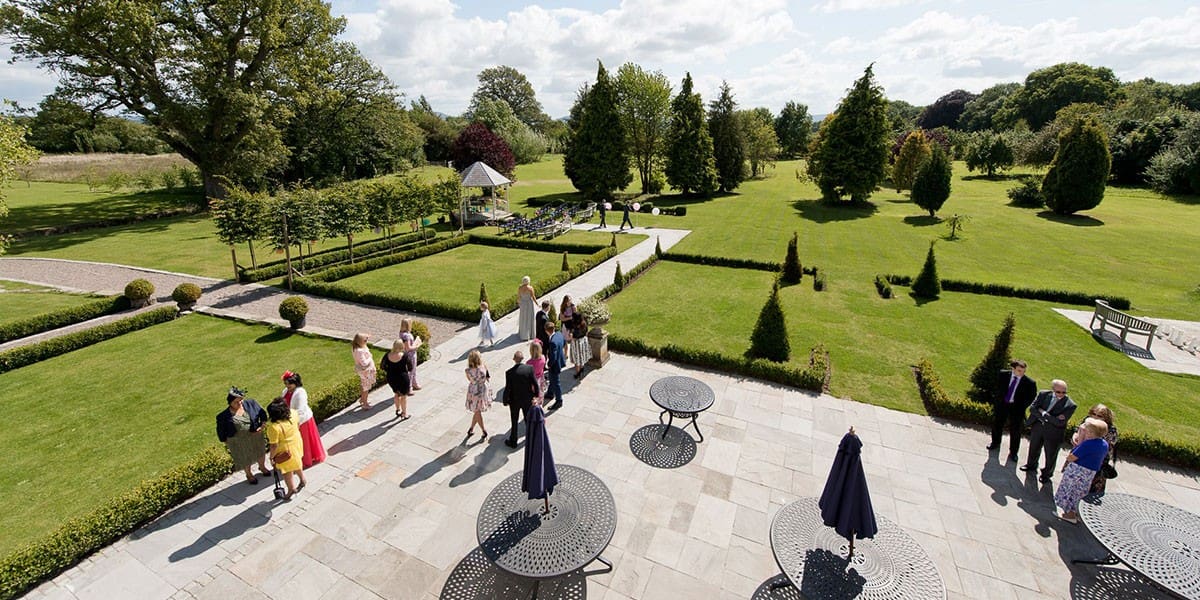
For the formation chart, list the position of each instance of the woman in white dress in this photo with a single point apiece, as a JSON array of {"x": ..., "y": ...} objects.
[{"x": 527, "y": 300}]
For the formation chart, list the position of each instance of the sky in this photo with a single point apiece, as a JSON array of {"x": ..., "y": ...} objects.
[{"x": 769, "y": 51}]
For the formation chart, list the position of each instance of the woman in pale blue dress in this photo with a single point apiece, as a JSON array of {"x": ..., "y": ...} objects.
[{"x": 527, "y": 319}]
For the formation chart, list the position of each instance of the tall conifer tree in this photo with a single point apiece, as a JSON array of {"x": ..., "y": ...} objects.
[
  {"x": 729, "y": 142},
  {"x": 599, "y": 156},
  {"x": 852, "y": 149},
  {"x": 690, "y": 164}
]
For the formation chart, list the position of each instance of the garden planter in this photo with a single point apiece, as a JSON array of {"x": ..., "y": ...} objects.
[
  {"x": 186, "y": 306},
  {"x": 598, "y": 340},
  {"x": 142, "y": 303},
  {"x": 298, "y": 323}
]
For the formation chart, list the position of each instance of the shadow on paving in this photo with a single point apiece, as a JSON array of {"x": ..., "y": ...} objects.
[
  {"x": 365, "y": 436},
  {"x": 450, "y": 457},
  {"x": 477, "y": 578}
]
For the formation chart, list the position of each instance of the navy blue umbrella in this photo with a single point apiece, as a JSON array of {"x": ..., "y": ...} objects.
[
  {"x": 846, "y": 503},
  {"x": 540, "y": 476}
]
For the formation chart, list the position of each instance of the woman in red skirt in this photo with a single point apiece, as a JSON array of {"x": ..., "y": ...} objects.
[{"x": 297, "y": 398}]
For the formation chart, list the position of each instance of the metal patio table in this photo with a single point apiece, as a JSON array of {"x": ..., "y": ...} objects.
[
  {"x": 813, "y": 557},
  {"x": 1155, "y": 540},
  {"x": 681, "y": 398},
  {"x": 519, "y": 537}
]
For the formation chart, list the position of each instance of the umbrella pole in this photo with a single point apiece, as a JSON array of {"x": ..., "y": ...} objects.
[
  {"x": 547, "y": 499},
  {"x": 851, "y": 555}
]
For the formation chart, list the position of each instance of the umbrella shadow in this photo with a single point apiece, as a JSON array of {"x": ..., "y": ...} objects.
[
  {"x": 826, "y": 576},
  {"x": 674, "y": 450},
  {"x": 494, "y": 456},
  {"x": 1108, "y": 582},
  {"x": 778, "y": 587},
  {"x": 477, "y": 578},
  {"x": 450, "y": 457}
]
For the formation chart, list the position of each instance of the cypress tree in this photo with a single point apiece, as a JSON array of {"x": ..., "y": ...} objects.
[
  {"x": 852, "y": 147},
  {"x": 565, "y": 266},
  {"x": 618, "y": 278},
  {"x": 613, "y": 243},
  {"x": 690, "y": 164},
  {"x": 483, "y": 297},
  {"x": 927, "y": 284},
  {"x": 1078, "y": 174},
  {"x": 598, "y": 154},
  {"x": 932, "y": 185},
  {"x": 769, "y": 339},
  {"x": 728, "y": 139},
  {"x": 913, "y": 154},
  {"x": 657, "y": 248},
  {"x": 792, "y": 271},
  {"x": 985, "y": 377}
]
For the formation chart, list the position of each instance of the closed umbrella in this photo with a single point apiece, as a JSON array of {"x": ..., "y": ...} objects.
[
  {"x": 846, "y": 503},
  {"x": 540, "y": 476}
]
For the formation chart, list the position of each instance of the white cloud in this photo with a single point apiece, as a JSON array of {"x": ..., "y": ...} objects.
[{"x": 832, "y": 6}]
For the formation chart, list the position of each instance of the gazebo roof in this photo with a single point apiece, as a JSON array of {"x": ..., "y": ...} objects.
[{"x": 481, "y": 175}]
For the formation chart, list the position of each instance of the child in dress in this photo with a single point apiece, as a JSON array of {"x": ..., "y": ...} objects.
[
  {"x": 487, "y": 327},
  {"x": 538, "y": 362},
  {"x": 1082, "y": 464}
]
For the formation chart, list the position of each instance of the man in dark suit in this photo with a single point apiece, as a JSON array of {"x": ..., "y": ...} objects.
[
  {"x": 625, "y": 220},
  {"x": 1015, "y": 392},
  {"x": 556, "y": 359},
  {"x": 539, "y": 328},
  {"x": 603, "y": 214},
  {"x": 1047, "y": 425},
  {"x": 520, "y": 388}
]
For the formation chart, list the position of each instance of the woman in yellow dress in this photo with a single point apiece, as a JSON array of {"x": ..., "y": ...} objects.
[{"x": 286, "y": 445}]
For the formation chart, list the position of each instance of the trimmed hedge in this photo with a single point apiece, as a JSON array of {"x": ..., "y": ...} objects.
[
  {"x": 61, "y": 318},
  {"x": 939, "y": 404},
  {"x": 538, "y": 245},
  {"x": 815, "y": 377},
  {"x": 331, "y": 256},
  {"x": 997, "y": 289},
  {"x": 626, "y": 278},
  {"x": 883, "y": 287},
  {"x": 27, "y": 355},
  {"x": 732, "y": 263},
  {"x": 362, "y": 266}
]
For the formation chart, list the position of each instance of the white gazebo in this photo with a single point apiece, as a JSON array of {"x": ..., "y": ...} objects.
[{"x": 476, "y": 209}]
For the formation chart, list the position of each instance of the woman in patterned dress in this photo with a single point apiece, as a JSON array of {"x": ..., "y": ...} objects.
[
  {"x": 1081, "y": 466},
  {"x": 580, "y": 351},
  {"x": 240, "y": 426},
  {"x": 1103, "y": 413},
  {"x": 479, "y": 393},
  {"x": 364, "y": 365}
]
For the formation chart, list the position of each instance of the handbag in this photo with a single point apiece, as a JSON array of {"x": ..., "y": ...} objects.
[
  {"x": 1108, "y": 471},
  {"x": 282, "y": 457}
]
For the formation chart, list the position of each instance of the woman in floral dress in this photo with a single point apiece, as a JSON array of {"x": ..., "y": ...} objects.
[{"x": 479, "y": 393}]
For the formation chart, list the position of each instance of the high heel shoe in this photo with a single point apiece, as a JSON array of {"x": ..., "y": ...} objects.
[
  {"x": 471, "y": 432},
  {"x": 484, "y": 435}
]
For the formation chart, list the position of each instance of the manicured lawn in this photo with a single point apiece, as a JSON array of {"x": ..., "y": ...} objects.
[
  {"x": 20, "y": 301},
  {"x": 873, "y": 342},
  {"x": 454, "y": 276},
  {"x": 575, "y": 236},
  {"x": 45, "y": 204},
  {"x": 90, "y": 424}
]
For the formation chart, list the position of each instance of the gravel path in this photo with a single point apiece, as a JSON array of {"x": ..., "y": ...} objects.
[{"x": 248, "y": 301}]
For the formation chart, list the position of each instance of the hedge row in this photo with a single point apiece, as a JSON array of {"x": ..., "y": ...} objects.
[
  {"x": 362, "y": 266},
  {"x": 732, "y": 263},
  {"x": 626, "y": 277},
  {"x": 330, "y": 256},
  {"x": 27, "y": 355},
  {"x": 883, "y": 287},
  {"x": 939, "y": 404},
  {"x": 815, "y": 377},
  {"x": 165, "y": 213},
  {"x": 996, "y": 289},
  {"x": 538, "y": 245},
  {"x": 61, "y": 318}
]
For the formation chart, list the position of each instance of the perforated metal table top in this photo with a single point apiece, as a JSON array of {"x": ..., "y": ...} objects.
[
  {"x": 682, "y": 395},
  {"x": 1157, "y": 540},
  {"x": 514, "y": 534}
]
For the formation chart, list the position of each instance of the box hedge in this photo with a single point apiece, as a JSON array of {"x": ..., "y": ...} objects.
[
  {"x": 334, "y": 256},
  {"x": 62, "y": 318},
  {"x": 27, "y": 355},
  {"x": 815, "y": 377},
  {"x": 996, "y": 289}
]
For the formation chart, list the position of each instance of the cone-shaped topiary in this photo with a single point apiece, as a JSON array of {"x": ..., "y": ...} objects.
[
  {"x": 792, "y": 271},
  {"x": 657, "y": 248},
  {"x": 613, "y": 243},
  {"x": 985, "y": 378},
  {"x": 565, "y": 265},
  {"x": 618, "y": 278},
  {"x": 769, "y": 339},
  {"x": 927, "y": 285},
  {"x": 483, "y": 297}
]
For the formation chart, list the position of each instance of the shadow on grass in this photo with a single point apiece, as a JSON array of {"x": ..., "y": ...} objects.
[
  {"x": 673, "y": 200},
  {"x": 996, "y": 177},
  {"x": 922, "y": 220},
  {"x": 275, "y": 336},
  {"x": 820, "y": 211},
  {"x": 919, "y": 300},
  {"x": 26, "y": 217},
  {"x": 1075, "y": 220},
  {"x": 66, "y": 240}
]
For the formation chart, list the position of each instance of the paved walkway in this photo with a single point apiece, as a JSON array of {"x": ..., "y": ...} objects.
[
  {"x": 392, "y": 513},
  {"x": 1164, "y": 355}
]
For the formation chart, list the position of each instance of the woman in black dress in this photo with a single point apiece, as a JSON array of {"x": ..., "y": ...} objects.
[{"x": 397, "y": 365}]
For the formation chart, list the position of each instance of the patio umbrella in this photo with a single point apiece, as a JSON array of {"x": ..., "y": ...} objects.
[
  {"x": 540, "y": 476},
  {"x": 846, "y": 503}
]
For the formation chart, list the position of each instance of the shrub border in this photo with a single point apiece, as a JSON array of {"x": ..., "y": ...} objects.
[
  {"x": 37, "y": 352},
  {"x": 815, "y": 377},
  {"x": 732, "y": 263},
  {"x": 61, "y": 318},
  {"x": 329, "y": 256},
  {"x": 1008, "y": 291}
]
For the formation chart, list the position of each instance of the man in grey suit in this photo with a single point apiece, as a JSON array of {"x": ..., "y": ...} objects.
[{"x": 1047, "y": 421}]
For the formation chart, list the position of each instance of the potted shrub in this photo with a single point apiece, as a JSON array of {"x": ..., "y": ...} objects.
[
  {"x": 185, "y": 295},
  {"x": 596, "y": 313},
  {"x": 293, "y": 310},
  {"x": 140, "y": 293}
]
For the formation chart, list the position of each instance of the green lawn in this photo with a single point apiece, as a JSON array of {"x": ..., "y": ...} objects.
[
  {"x": 873, "y": 342},
  {"x": 19, "y": 301},
  {"x": 90, "y": 424},
  {"x": 45, "y": 204},
  {"x": 454, "y": 276}
]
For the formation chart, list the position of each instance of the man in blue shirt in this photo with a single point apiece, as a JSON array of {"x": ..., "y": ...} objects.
[{"x": 556, "y": 359}]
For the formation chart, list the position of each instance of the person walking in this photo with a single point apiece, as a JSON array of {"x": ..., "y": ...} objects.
[
  {"x": 625, "y": 219},
  {"x": 296, "y": 397},
  {"x": 527, "y": 301},
  {"x": 240, "y": 427},
  {"x": 1083, "y": 463},
  {"x": 395, "y": 365},
  {"x": 364, "y": 365},
  {"x": 479, "y": 392},
  {"x": 286, "y": 446},
  {"x": 1047, "y": 426},
  {"x": 411, "y": 343},
  {"x": 555, "y": 361},
  {"x": 487, "y": 327},
  {"x": 520, "y": 391},
  {"x": 1100, "y": 481},
  {"x": 1014, "y": 393},
  {"x": 603, "y": 206}
]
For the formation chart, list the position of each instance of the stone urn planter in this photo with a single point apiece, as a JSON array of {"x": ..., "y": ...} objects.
[
  {"x": 294, "y": 309},
  {"x": 185, "y": 296},
  {"x": 597, "y": 315},
  {"x": 140, "y": 293}
]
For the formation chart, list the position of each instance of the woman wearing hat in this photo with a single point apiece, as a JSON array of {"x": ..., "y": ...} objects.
[
  {"x": 241, "y": 428},
  {"x": 296, "y": 398}
]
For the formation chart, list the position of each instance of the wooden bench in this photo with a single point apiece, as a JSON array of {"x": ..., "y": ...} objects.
[{"x": 1123, "y": 322}]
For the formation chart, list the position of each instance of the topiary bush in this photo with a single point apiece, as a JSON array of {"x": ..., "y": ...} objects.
[
  {"x": 883, "y": 287},
  {"x": 483, "y": 297},
  {"x": 186, "y": 293},
  {"x": 819, "y": 283},
  {"x": 792, "y": 271},
  {"x": 565, "y": 265},
  {"x": 927, "y": 285},
  {"x": 680, "y": 211},
  {"x": 1079, "y": 173},
  {"x": 657, "y": 248},
  {"x": 420, "y": 329},
  {"x": 139, "y": 290},
  {"x": 1028, "y": 194},
  {"x": 985, "y": 378},
  {"x": 293, "y": 308},
  {"x": 618, "y": 279},
  {"x": 769, "y": 339}
]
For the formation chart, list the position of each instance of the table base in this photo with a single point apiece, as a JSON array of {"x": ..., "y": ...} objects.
[
  {"x": 671, "y": 419},
  {"x": 1111, "y": 559},
  {"x": 608, "y": 567}
]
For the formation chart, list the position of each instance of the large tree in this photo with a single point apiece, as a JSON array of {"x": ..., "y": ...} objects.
[
  {"x": 14, "y": 152},
  {"x": 945, "y": 111},
  {"x": 644, "y": 102},
  {"x": 1078, "y": 175},
  {"x": 598, "y": 151},
  {"x": 989, "y": 152},
  {"x": 510, "y": 85},
  {"x": 913, "y": 154},
  {"x": 1050, "y": 89},
  {"x": 978, "y": 114},
  {"x": 850, "y": 154},
  {"x": 439, "y": 132},
  {"x": 729, "y": 142},
  {"x": 762, "y": 146},
  {"x": 478, "y": 143},
  {"x": 793, "y": 127},
  {"x": 690, "y": 164},
  {"x": 210, "y": 75},
  {"x": 931, "y": 186},
  {"x": 527, "y": 145}
]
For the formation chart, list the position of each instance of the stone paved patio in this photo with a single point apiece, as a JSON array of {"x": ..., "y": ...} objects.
[{"x": 392, "y": 513}]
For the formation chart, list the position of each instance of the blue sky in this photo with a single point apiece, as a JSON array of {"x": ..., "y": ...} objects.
[{"x": 770, "y": 51}]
